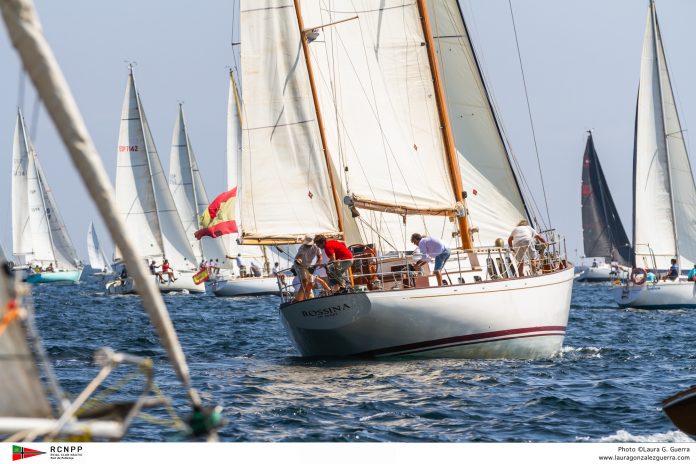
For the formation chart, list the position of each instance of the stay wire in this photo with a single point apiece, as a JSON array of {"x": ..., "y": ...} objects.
[{"x": 529, "y": 112}]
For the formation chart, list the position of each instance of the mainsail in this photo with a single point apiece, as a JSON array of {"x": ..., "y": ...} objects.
[
  {"x": 189, "y": 193},
  {"x": 97, "y": 259},
  {"x": 144, "y": 198},
  {"x": 40, "y": 235},
  {"x": 602, "y": 231},
  {"x": 286, "y": 191},
  {"x": 664, "y": 195}
]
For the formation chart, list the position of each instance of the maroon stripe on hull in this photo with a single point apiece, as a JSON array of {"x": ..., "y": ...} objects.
[{"x": 472, "y": 339}]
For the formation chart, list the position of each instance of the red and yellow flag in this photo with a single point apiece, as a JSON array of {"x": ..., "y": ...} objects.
[
  {"x": 219, "y": 218},
  {"x": 200, "y": 276}
]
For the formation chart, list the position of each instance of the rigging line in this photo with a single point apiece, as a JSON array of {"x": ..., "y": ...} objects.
[
  {"x": 529, "y": 111},
  {"x": 236, "y": 7}
]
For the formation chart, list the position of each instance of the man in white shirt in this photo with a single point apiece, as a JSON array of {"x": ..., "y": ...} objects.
[
  {"x": 521, "y": 240},
  {"x": 431, "y": 247}
]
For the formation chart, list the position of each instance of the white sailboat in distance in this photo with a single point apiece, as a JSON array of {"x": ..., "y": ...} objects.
[
  {"x": 97, "y": 258},
  {"x": 40, "y": 241},
  {"x": 664, "y": 194},
  {"x": 146, "y": 203},
  {"x": 369, "y": 122}
]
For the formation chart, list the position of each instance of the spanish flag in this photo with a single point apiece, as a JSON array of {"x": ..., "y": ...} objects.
[{"x": 219, "y": 218}]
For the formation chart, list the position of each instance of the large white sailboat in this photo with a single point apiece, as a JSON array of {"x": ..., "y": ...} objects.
[
  {"x": 369, "y": 124},
  {"x": 146, "y": 203},
  {"x": 40, "y": 241},
  {"x": 97, "y": 258},
  {"x": 664, "y": 194},
  {"x": 226, "y": 284},
  {"x": 189, "y": 193}
]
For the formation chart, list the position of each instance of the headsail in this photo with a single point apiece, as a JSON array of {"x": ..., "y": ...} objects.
[
  {"x": 285, "y": 191},
  {"x": 664, "y": 195},
  {"x": 602, "y": 231},
  {"x": 495, "y": 201},
  {"x": 39, "y": 232},
  {"x": 21, "y": 227},
  {"x": 189, "y": 193},
  {"x": 97, "y": 259},
  {"x": 144, "y": 198}
]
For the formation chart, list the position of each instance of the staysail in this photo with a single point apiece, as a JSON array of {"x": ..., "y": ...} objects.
[
  {"x": 664, "y": 195},
  {"x": 495, "y": 201},
  {"x": 97, "y": 259},
  {"x": 144, "y": 198},
  {"x": 602, "y": 231},
  {"x": 189, "y": 193}
]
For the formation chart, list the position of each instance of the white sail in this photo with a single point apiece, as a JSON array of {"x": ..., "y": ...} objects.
[
  {"x": 494, "y": 199},
  {"x": 144, "y": 198},
  {"x": 64, "y": 254},
  {"x": 664, "y": 194},
  {"x": 377, "y": 91},
  {"x": 681, "y": 176},
  {"x": 189, "y": 193},
  {"x": 97, "y": 259},
  {"x": 285, "y": 190},
  {"x": 21, "y": 228},
  {"x": 22, "y": 392}
]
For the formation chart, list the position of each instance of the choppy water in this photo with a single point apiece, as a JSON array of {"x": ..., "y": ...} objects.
[{"x": 606, "y": 384}]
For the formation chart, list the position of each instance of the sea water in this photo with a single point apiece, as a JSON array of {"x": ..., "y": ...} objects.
[{"x": 605, "y": 385}]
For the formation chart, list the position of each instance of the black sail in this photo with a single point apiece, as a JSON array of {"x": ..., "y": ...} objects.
[{"x": 602, "y": 231}]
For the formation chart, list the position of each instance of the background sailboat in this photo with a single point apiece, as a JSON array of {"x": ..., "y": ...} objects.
[
  {"x": 224, "y": 284},
  {"x": 347, "y": 133},
  {"x": 40, "y": 238},
  {"x": 145, "y": 201},
  {"x": 603, "y": 233},
  {"x": 189, "y": 194},
  {"x": 97, "y": 258},
  {"x": 664, "y": 194}
]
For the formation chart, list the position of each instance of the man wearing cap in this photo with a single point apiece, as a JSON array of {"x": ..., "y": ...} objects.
[
  {"x": 431, "y": 247},
  {"x": 305, "y": 257},
  {"x": 340, "y": 259}
]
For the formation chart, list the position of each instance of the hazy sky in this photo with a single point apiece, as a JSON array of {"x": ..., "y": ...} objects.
[{"x": 581, "y": 59}]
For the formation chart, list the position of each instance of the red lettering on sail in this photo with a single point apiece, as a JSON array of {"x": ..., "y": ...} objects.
[{"x": 123, "y": 148}]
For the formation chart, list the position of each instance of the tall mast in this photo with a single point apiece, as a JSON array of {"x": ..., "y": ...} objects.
[
  {"x": 320, "y": 120},
  {"x": 664, "y": 128},
  {"x": 189, "y": 155},
  {"x": 448, "y": 138}
]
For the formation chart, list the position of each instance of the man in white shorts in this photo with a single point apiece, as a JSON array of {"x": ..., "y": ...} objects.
[{"x": 521, "y": 240}]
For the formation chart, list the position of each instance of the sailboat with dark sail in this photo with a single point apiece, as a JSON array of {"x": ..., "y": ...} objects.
[{"x": 603, "y": 234}]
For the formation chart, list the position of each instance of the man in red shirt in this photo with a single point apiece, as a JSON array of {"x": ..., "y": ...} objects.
[{"x": 340, "y": 259}]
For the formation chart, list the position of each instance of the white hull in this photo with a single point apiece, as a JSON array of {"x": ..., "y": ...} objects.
[
  {"x": 247, "y": 286},
  {"x": 183, "y": 283},
  {"x": 515, "y": 318},
  {"x": 597, "y": 274},
  {"x": 662, "y": 295}
]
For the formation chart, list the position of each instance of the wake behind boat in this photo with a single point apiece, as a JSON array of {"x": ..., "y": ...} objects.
[
  {"x": 664, "y": 194},
  {"x": 41, "y": 245}
]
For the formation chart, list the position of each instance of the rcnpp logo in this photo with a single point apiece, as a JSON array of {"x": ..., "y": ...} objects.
[{"x": 19, "y": 452}]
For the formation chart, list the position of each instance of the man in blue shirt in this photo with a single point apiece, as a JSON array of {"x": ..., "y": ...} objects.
[
  {"x": 431, "y": 247},
  {"x": 673, "y": 270}
]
